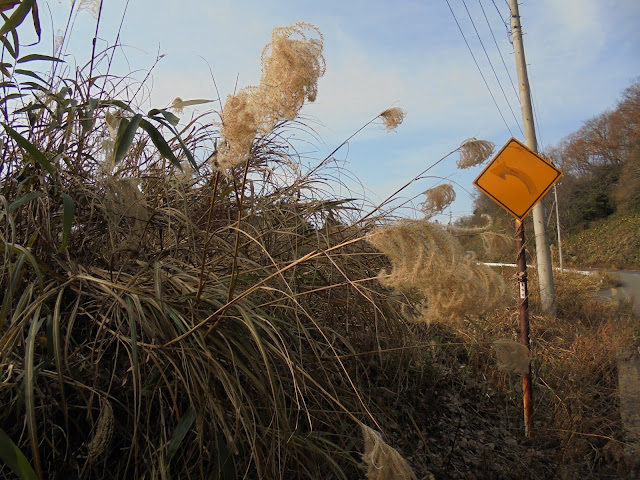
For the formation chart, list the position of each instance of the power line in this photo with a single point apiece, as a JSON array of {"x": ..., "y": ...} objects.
[
  {"x": 508, "y": 27},
  {"x": 491, "y": 64},
  {"x": 506, "y": 24},
  {"x": 515, "y": 90},
  {"x": 478, "y": 67}
]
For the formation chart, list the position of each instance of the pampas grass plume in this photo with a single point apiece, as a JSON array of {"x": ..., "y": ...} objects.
[
  {"x": 291, "y": 66},
  {"x": 474, "y": 152},
  {"x": 383, "y": 461},
  {"x": 512, "y": 356},
  {"x": 438, "y": 198},
  {"x": 429, "y": 262},
  {"x": 392, "y": 117},
  {"x": 90, "y": 6}
]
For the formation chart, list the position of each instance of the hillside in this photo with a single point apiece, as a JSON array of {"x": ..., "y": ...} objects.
[{"x": 612, "y": 242}]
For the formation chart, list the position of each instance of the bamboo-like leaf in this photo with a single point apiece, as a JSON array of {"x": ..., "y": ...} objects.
[
  {"x": 187, "y": 152},
  {"x": 4, "y": 68},
  {"x": 160, "y": 143},
  {"x": 36, "y": 56},
  {"x": 11, "y": 96},
  {"x": 170, "y": 117},
  {"x": 126, "y": 133},
  {"x": 171, "y": 126},
  {"x": 29, "y": 73},
  {"x": 30, "y": 148},
  {"x": 13, "y": 457},
  {"x": 115, "y": 103},
  {"x": 68, "y": 213},
  {"x": 17, "y": 17},
  {"x": 8, "y": 4},
  {"x": 24, "y": 199},
  {"x": 36, "y": 19},
  {"x": 183, "y": 427}
]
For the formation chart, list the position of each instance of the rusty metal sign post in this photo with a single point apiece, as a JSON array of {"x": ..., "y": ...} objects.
[
  {"x": 523, "y": 313},
  {"x": 517, "y": 178}
]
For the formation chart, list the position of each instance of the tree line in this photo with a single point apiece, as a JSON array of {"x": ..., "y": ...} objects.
[{"x": 601, "y": 164}]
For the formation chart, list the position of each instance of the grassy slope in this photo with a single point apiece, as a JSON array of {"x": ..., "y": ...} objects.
[{"x": 613, "y": 242}]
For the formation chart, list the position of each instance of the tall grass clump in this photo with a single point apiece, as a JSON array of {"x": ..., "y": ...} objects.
[{"x": 178, "y": 295}]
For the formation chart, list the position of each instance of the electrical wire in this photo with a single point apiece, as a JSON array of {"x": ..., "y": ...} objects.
[
  {"x": 478, "y": 67},
  {"x": 495, "y": 74},
  {"x": 533, "y": 103},
  {"x": 515, "y": 90}
]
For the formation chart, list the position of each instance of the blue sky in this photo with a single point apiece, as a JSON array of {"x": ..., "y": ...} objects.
[{"x": 410, "y": 54}]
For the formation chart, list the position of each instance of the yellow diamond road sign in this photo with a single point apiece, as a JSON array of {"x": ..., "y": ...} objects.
[{"x": 517, "y": 178}]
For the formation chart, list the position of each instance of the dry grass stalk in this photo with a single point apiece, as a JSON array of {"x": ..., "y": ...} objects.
[
  {"x": 438, "y": 198},
  {"x": 102, "y": 432},
  {"x": 512, "y": 356},
  {"x": 474, "y": 152},
  {"x": 430, "y": 262},
  {"x": 383, "y": 461},
  {"x": 392, "y": 117}
]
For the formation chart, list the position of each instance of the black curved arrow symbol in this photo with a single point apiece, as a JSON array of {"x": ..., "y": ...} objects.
[{"x": 502, "y": 170}]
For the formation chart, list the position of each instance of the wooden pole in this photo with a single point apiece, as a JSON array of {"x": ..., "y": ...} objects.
[{"x": 543, "y": 251}]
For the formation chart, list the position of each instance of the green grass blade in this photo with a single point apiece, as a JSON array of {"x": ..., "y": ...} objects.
[
  {"x": 68, "y": 213},
  {"x": 11, "y": 96},
  {"x": 183, "y": 427},
  {"x": 115, "y": 103},
  {"x": 13, "y": 457},
  {"x": 124, "y": 138},
  {"x": 30, "y": 148},
  {"x": 24, "y": 199}
]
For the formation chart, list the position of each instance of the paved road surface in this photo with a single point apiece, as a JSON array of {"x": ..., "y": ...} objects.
[{"x": 629, "y": 288}]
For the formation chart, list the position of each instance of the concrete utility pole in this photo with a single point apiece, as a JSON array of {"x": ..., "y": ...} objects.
[{"x": 543, "y": 252}]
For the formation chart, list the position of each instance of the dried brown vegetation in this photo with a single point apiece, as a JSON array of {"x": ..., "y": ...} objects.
[{"x": 159, "y": 319}]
